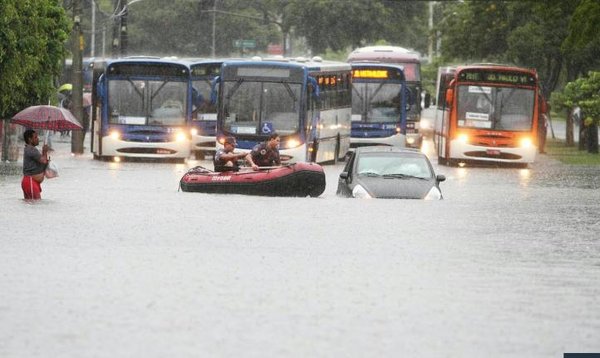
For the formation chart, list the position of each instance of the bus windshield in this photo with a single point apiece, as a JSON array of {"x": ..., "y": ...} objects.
[
  {"x": 499, "y": 108},
  {"x": 376, "y": 102},
  {"x": 144, "y": 102},
  {"x": 204, "y": 109},
  {"x": 261, "y": 107}
]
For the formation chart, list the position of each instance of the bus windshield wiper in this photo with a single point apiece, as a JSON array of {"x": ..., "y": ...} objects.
[
  {"x": 235, "y": 87},
  {"x": 136, "y": 89},
  {"x": 402, "y": 176},
  {"x": 290, "y": 92}
]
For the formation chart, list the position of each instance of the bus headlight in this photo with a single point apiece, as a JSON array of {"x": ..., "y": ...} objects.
[
  {"x": 410, "y": 140},
  {"x": 292, "y": 143},
  {"x": 180, "y": 137},
  {"x": 360, "y": 192},
  {"x": 463, "y": 138},
  {"x": 194, "y": 131},
  {"x": 525, "y": 142},
  {"x": 115, "y": 134}
]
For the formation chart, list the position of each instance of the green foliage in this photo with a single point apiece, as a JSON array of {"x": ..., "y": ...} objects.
[
  {"x": 585, "y": 93},
  {"x": 32, "y": 36}
]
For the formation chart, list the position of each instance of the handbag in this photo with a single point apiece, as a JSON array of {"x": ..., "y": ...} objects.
[{"x": 51, "y": 170}]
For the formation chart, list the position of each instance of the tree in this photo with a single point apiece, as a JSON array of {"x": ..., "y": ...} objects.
[
  {"x": 337, "y": 25},
  {"x": 32, "y": 38},
  {"x": 585, "y": 93}
]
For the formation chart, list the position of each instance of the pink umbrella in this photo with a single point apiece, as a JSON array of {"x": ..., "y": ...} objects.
[{"x": 47, "y": 117}]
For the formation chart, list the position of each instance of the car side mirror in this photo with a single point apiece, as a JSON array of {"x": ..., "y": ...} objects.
[
  {"x": 440, "y": 178},
  {"x": 344, "y": 175}
]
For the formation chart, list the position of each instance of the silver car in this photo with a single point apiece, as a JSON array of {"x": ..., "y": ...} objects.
[{"x": 389, "y": 172}]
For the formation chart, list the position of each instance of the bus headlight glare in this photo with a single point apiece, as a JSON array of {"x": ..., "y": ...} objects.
[
  {"x": 115, "y": 135},
  {"x": 410, "y": 140},
  {"x": 194, "y": 131},
  {"x": 526, "y": 142},
  {"x": 463, "y": 138},
  {"x": 180, "y": 137},
  {"x": 292, "y": 143}
]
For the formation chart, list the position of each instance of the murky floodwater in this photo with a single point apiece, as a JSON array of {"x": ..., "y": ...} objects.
[{"x": 116, "y": 262}]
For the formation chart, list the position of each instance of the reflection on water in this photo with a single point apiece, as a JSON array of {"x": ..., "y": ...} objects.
[{"x": 506, "y": 266}]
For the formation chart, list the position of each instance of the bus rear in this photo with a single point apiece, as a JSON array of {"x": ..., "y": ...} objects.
[
  {"x": 411, "y": 63},
  {"x": 143, "y": 110},
  {"x": 378, "y": 105},
  {"x": 490, "y": 115}
]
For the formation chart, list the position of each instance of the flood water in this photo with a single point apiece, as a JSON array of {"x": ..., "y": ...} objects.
[{"x": 116, "y": 262}]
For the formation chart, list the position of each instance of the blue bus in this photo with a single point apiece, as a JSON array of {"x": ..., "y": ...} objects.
[
  {"x": 204, "y": 109},
  {"x": 307, "y": 102},
  {"x": 142, "y": 110},
  {"x": 411, "y": 63},
  {"x": 379, "y": 94}
]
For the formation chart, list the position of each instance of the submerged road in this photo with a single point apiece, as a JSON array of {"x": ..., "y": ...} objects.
[{"x": 116, "y": 262}]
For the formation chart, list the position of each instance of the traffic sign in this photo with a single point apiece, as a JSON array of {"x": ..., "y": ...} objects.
[{"x": 244, "y": 43}]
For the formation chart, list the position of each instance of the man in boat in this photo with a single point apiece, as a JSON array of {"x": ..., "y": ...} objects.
[
  {"x": 265, "y": 154},
  {"x": 225, "y": 159}
]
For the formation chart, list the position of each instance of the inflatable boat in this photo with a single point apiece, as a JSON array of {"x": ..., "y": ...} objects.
[{"x": 298, "y": 179}]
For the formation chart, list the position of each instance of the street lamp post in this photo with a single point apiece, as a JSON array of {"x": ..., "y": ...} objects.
[{"x": 77, "y": 78}]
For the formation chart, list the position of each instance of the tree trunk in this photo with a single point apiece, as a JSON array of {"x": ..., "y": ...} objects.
[
  {"x": 591, "y": 137},
  {"x": 569, "y": 138}
]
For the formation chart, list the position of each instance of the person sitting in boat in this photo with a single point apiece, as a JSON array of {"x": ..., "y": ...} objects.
[
  {"x": 225, "y": 159},
  {"x": 265, "y": 154}
]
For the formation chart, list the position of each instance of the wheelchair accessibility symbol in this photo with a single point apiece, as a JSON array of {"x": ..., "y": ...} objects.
[{"x": 267, "y": 128}]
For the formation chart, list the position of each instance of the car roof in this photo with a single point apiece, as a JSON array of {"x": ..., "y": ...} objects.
[{"x": 387, "y": 149}]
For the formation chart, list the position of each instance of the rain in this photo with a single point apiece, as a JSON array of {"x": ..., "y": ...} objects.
[{"x": 117, "y": 261}]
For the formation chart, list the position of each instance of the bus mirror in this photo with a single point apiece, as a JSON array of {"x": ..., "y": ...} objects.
[
  {"x": 427, "y": 100},
  {"x": 100, "y": 88},
  {"x": 449, "y": 97},
  {"x": 544, "y": 106},
  {"x": 213, "y": 89},
  {"x": 313, "y": 87}
]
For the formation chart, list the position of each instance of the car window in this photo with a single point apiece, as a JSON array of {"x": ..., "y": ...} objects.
[{"x": 393, "y": 164}]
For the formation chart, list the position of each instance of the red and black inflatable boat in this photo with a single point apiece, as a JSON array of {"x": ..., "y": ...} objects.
[{"x": 298, "y": 179}]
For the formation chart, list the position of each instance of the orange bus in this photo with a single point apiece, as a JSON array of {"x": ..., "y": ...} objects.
[{"x": 489, "y": 113}]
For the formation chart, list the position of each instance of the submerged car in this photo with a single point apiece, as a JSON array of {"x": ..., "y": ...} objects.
[{"x": 389, "y": 172}]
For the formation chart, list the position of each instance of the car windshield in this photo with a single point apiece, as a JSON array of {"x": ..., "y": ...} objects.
[{"x": 393, "y": 164}]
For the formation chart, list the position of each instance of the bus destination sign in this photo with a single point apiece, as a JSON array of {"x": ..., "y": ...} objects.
[
  {"x": 376, "y": 73},
  {"x": 515, "y": 78}
]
